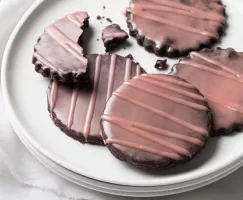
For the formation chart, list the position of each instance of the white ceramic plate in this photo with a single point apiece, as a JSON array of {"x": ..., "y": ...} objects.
[
  {"x": 24, "y": 93},
  {"x": 122, "y": 190}
]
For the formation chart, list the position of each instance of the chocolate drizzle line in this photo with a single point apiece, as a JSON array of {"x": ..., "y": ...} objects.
[
  {"x": 216, "y": 63},
  {"x": 168, "y": 97},
  {"x": 143, "y": 132},
  {"x": 138, "y": 70},
  {"x": 179, "y": 8},
  {"x": 46, "y": 62},
  {"x": 54, "y": 90},
  {"x": 72, "y": 107},
  {"x": 171, "y": 88},
  {"x": 169, "y": 80},
  {"x": 140, "y": 9},
  {"x": 128, "y": 69},
  {"x": 77, "y": 19},
  {"x": 114, "y": 35},
  {"x": 91, "y": 107},
  {"x": 211, "y": 70},
  {"x": 111, "y": 76},
  {"x": 66, "y": 42},
  {"x": 224, "y": 103},
  {"x": 143, "y": 148},
  {"x": 129, "y": 124},
  {"x": 162, "y": 113}
]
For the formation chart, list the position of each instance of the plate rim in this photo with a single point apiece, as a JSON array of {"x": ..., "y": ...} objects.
[
  {"x": 186, "y": 188},
  {"x": 11, "y": 112}
]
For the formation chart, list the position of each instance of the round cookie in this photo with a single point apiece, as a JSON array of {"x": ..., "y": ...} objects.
[
  {"x": 173, "y": 28},
  {"x": 218, "y": 74},
  {"x": 156, "y": 121},
  {"x": 76, "y": 109},
  {"x": 58, "y": 54}
]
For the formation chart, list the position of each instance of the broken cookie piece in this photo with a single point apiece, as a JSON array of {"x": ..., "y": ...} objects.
[{"x": 113, "y": 36}]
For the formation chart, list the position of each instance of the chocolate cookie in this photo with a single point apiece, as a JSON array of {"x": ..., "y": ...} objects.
[
  {"x": 76, "y": 109},
  {"x": 58, "y": 54},
  {"x": 113, "y": 36},
  {"x": 156, "y": 121},
  {"x": 174, "y": 27},
  {"x": 218, "y": 75}
]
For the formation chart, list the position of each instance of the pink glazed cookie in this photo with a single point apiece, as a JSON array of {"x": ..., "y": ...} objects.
[{"x": 173, "y": 28}]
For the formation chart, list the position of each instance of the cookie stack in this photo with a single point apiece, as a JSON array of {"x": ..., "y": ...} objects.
[{"x": 148, "y": 120}]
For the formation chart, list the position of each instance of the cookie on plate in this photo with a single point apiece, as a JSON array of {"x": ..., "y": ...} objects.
[
  {"x": 218, "y": 74},
  {"x": 113, "y": 36},
  {"x": 156, "y": 121},
  {"x": 76, "y": 109},
  {"x": 58, "y": 53},
  {"x": 175, "y": 27}
]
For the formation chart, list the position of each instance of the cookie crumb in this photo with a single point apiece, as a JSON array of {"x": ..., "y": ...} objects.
[
  {"x": 98, "y": 17},
  {"x": 109, "y": 20},
  {"x": 161, "y": 65}
]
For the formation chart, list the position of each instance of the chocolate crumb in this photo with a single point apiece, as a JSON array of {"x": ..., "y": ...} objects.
[
  {"x": 161, "y": 65},
  {"x": 109, "y": 20},
  {"x": 104, "y": 7},
  {"x": 129, "y": 56},
  {"x": 103, "y": 17},
  {"x": 99, "y": 17},
  {"x": 98, "y": 39},
  {"x": 124, "y": 48}
]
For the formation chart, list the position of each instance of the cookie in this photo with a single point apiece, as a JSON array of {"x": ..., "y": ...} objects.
[
  {"x": 113, "y": 36},
  {"x": 173, "y": 28},
  {"x": 76, "y": 109},
  {"x": 58, "y": 53},
  {"x": 218, "y": 75},
  {"x": 156, "y": 121}
]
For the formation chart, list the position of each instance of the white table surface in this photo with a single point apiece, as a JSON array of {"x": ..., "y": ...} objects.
[{"x": 22, "y": 177}]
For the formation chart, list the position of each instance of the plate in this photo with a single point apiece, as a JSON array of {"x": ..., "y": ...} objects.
[
  {"x": 24, "y": 94},
  {"x": 120, "y": 190}
]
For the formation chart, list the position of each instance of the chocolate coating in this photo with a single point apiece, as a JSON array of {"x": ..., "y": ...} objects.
[
  {"x": 113, "y": 36},
  {"x": 156, "y": 121},
  {"x": 76, "y": 109},
  {"x": 217, "y": 74},
  {"x": 174, "y": 27},
  {"x": 58, "y": 54}
]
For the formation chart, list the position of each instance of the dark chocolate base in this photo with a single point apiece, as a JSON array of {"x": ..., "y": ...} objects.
[
  {"x": 54, "y": 74},
  {"x": 73, "y": 134},
  {"x": 150, "y": 45},
  {"x": 114, "y": 43},
  {"x": 224, "y": 132}
]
